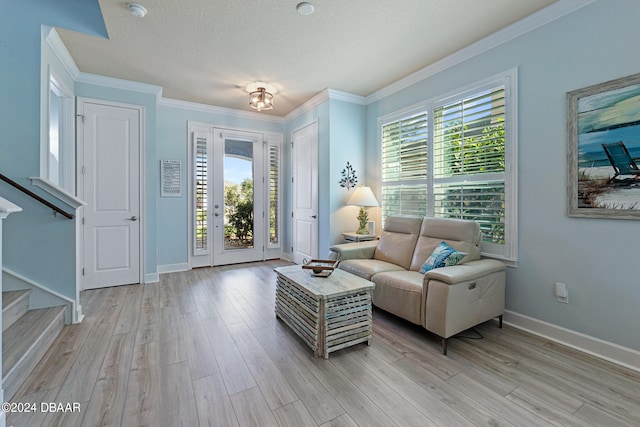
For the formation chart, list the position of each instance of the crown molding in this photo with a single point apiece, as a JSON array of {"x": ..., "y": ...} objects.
[
  {"x": 115, "y": 83},
  {"x": 542, "y": 17},
  {"x": 309, "y": 105},
  {"x": 212, "y": 109},
  {"x": 60, "y": 51},
  {"x": 339, "y": 95}
]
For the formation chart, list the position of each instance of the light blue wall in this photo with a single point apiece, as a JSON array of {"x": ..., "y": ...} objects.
[
  {"x": 172, "y": 143},
  {"x": 596, "y": 258},
  {"x": 341, "y": 138},
  {"x": 347, "y": 144},
  {"x": 36, "y": 244},
  {"x": 173, "y": 220}
]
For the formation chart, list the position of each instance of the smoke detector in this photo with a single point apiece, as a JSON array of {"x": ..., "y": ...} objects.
[
  {"x": 136, "y": 9},
  {"x": 305, "y": 8}
]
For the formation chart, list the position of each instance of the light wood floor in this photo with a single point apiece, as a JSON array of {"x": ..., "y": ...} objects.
[{"x": 204, "y": 348}]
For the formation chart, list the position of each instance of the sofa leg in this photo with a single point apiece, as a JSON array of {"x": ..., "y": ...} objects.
[
  {"x": 444, "y": 345},
  {"x": 500, "y": 321}
]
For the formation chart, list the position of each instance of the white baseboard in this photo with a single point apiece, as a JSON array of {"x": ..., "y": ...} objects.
[
  {"x": 287, "y": 257},
  {"x": 173, "y": 268},
  {"x": 78, "y": 315},
  {"x": 623, "y": 356},
  {"x": 151, "y": 278}
]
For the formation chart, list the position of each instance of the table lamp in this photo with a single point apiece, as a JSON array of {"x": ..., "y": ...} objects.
[{"x": 363, "y": 197}]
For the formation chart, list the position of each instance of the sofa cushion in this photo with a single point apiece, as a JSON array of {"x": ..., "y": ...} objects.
[
  {"x": 366, "y": 268},
  {"x": 462, "y": 230},
  {"x": 400, "y": 293},
  {"x": 462, "y": 235},
  {"x": 442, "y": 256},
  {"x": 398, "y": 240}
]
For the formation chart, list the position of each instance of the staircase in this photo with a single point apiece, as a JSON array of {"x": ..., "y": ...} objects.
[{"x": 26, "y": 337}]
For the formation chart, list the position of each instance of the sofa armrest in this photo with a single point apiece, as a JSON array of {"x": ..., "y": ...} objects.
[
  {"x": 357, "y": 250},
  {"x": 461, "y": 296},
  {"x": 464, "y": 272},
  {"x": 450, "y": 308}
]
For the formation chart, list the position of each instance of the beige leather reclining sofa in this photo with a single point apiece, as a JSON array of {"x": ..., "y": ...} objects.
[{"x": 445, "y": 300}]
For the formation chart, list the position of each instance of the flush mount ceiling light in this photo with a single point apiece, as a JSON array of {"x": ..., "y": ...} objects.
[
  {"x": 305, "y": 8},
  {"x": 260, "y": 99},
  {"x": 260, "y": 96},
  {"x": 137, "y": 9}
]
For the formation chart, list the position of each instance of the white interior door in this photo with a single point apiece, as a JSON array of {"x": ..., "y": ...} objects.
[
  {"x": 238, "y": 208},
  {"x": 304, "y": 154},
  {"x": 109, "y": 181}
]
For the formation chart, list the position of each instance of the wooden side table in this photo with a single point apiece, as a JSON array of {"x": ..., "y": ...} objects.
[
  {"x": 355, "y": 237},
  {"x": 328, "y": 313}
]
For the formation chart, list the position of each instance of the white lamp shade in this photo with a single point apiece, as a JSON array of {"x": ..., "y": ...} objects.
[{"x": 363, "y": 196}]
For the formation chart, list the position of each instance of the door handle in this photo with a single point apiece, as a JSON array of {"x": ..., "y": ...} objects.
[
  {"x": 133, "y": 218},
  {"x": 314, "y": 216}
]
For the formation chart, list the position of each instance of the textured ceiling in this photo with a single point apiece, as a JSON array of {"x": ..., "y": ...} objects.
[{"x": 208, "y": 51}]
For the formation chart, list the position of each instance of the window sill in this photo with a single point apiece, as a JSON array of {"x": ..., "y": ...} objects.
[
  {"x": 507, "y": 261},
  {"x": 57, "y": 192},
  {"x": 7, "y": 208}
]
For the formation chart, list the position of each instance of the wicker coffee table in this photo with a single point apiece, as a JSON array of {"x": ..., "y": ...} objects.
[{"x": 328, "y": 313}]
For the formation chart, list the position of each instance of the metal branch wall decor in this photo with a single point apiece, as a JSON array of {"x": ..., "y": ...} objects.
[{"x": 349, "y": 178}]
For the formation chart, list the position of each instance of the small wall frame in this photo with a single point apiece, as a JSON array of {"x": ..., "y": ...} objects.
[{"x": 170, "y": 178}]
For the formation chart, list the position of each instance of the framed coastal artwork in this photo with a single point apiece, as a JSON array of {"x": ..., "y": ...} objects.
[{"x": 604, "y": 150}]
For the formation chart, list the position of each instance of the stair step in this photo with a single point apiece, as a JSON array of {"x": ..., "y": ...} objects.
[
  {"x": 14, "y": 305},
  {"x": 25, "y": 342}
]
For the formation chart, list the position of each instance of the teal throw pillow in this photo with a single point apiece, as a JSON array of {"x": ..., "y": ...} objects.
[
  {"x": 454, "y": 258},
  {"x": 443, "y": 256}
]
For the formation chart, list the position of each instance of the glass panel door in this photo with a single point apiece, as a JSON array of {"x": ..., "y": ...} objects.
[
  {"x": 238, "y": 195},
  {"x": 238, "y": 211}
]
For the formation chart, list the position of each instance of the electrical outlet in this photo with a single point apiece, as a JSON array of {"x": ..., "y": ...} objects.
[{"x": 562, "y": 293}]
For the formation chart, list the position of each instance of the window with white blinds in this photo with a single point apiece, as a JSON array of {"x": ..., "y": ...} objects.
[
  {"x": 454, "y": 157},
  {"x": 404, "y": 166},
  {"x": 469, "y": 162}
]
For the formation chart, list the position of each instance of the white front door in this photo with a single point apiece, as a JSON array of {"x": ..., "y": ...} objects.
[
  {"x": 304, "y": 154},
  {"x": 109, "y": 182},
  {"x": 234, "y": 179},
  {"x": 238, "y": 197}
]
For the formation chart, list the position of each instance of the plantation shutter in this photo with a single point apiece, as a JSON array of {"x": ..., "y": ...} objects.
[
  {"x": 274, "y": 194},
  {"x": 469, "y": 161},
  {"x": 201, "y": 219},
  {"x": 404, "y": 166}
]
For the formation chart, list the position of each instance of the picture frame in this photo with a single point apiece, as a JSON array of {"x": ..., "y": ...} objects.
[
  {"x": 170, "y": 178},
  {"x": 603, "y": 155}
]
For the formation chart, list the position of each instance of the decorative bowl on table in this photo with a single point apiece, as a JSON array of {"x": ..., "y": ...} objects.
[{"x": 320, "y": 267}]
